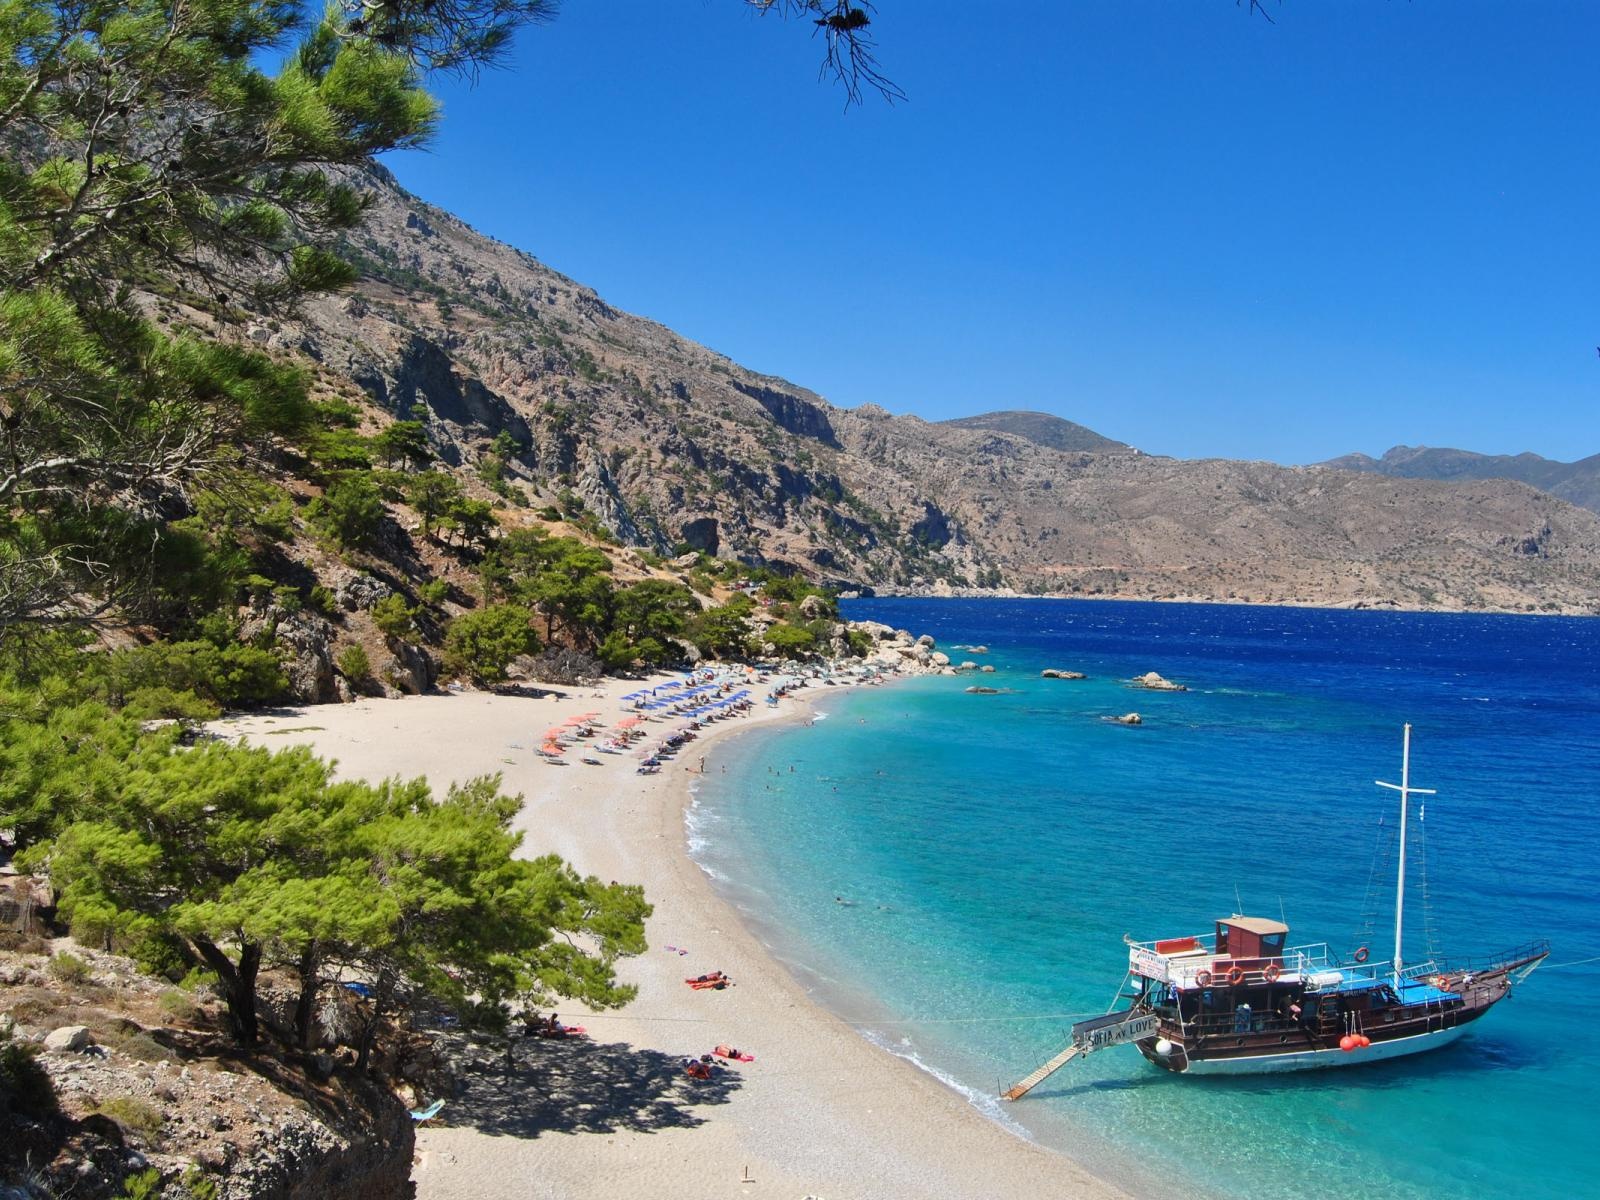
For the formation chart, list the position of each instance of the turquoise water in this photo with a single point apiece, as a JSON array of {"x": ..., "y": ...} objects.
[{"x": 993, "y": 851}]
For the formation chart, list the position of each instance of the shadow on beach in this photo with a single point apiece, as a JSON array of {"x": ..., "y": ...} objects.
[{"x": 585, "y": 1087}]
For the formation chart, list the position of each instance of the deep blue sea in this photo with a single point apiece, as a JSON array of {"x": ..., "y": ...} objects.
[{"x": 994, "y": 850}]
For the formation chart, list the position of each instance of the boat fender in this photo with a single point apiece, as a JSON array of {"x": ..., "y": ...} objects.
[
  {"x": 1203, "y": 979},
  {"x": 1360, "y": 955},
  {"x": 1163, "y": 1047},
  {"x": 1235, "y": 975},
  {"x": 1272, "y": 972}
]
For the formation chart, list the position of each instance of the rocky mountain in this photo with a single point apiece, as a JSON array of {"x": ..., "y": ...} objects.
[
  {"x": 1575, "y": 482},
  {"x": 1042, "y": 429},
  {"x": 672, "y": 445}
]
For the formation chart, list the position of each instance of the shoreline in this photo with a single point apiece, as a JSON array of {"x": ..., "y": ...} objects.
[
  {"x": 822, "y": 1111},
  {"x": 1354, "y": 605}
]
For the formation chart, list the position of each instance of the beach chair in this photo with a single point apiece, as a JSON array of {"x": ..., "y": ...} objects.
[{"x": 423, "y": 1115}]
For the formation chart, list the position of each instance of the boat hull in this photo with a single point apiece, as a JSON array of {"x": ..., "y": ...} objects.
[{"x": 1318, "y": 1059}]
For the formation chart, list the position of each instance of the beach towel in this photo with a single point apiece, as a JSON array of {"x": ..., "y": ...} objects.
[{"x": 419, "y": 1115}]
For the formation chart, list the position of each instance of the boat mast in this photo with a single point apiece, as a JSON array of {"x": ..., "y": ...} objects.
[{"x": 1405, "y": 789}]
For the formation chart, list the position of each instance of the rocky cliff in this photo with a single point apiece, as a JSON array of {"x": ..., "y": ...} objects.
[{"x": 672, "y": 445}]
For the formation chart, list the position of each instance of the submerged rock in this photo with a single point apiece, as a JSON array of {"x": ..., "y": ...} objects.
[{"x": 1052, "y": 673}]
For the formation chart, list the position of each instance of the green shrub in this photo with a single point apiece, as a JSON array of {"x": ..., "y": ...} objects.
[
  {"x": 178, "y": 1007},
  {"x": 354, "y": 664},
  {"x": 483, "y": 643},
  {"x": 133, "y": 1115},
  {"x": 435, "y": 591},
  {"x": 232, "y": 676},
  {"x": 395, "y": 618},
  {"x": 323, "y": 601},
  {"x": 69, "y": 968},
  {"x": 791, "y": 639},
  {"x": 287, "y": 598},
  {"x": 350, "y": 511}
]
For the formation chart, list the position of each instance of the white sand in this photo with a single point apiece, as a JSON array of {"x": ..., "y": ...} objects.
[{"x": 820, "y": 1113}]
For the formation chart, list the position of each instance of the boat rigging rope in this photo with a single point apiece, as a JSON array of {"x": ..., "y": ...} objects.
[
  {"x": 1382, "y": 847},
  {"x": 1582, "y": 962}
]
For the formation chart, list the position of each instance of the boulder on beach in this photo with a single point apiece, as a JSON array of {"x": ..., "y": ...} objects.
[
  {"x": 1127, "y": 719},
  {"x": 1052, "y": 673},
  {"x": 1156, "y": 683}
]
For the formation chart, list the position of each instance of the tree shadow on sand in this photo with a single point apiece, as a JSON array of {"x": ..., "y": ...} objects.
[{"x": 584, "y": 1087}]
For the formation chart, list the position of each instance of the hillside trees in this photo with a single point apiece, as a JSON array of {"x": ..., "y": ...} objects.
[
  {"x": 143, "y": 147},
  {"x": 238, "y": 859}
]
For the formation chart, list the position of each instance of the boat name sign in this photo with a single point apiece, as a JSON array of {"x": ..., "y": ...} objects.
[{"x": 1114, "y": 1029}]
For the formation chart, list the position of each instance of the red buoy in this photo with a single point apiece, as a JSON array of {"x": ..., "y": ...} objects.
[
  {"x": 1365, "y": 1041},
  {"x": 1347, "y": 1043}
]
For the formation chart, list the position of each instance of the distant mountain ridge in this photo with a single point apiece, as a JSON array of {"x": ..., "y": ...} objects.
[
  {"x": 668, "y": 445},
  {"x": 1575, "y": 482},
  {"x": 1042, "y": 429}
]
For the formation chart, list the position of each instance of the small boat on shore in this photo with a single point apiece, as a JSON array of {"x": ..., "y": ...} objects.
[{"x": 1239, "y": 1000}]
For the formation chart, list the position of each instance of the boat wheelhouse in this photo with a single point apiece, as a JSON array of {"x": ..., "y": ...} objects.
[{"x": 1240, "y": 1000}]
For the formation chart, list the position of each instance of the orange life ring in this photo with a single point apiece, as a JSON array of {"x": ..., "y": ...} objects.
[
  {"x": 1272, "y": 972},
  {"x": 1236, "y": 975},
  {"x": 1360, "y": 955},
  {"x": 1203, "y": 979}
]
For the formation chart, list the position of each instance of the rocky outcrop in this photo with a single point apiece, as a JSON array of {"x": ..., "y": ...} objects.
[
  {"x": 138, "y": 1084},
  {"x": 1053, "y": 673},
  {"x": 307, "y": 641},
  {"x": 1155, "y": 683},
  {"x": 27, "y": 903}
]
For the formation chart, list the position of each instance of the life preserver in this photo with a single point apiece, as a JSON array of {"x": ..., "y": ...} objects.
[
  {"x": 1235, "y": 975},
  {"x": 1203, "y": 979},
  {"x": 1272, "y": 972},
  {"x": 1360, "y": 955}
]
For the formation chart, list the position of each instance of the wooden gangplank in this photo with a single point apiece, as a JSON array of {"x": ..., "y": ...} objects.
[{"x": 1018, "y": 1090}]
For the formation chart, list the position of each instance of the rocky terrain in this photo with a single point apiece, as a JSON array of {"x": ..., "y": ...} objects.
[
  {"x": 1575, "y": 482},
  {"x": 673, "y": 446},
  {"x": 138, "y": 1083}
]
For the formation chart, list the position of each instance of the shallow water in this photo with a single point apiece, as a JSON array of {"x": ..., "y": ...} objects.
[{"x": 954, "y": 872}]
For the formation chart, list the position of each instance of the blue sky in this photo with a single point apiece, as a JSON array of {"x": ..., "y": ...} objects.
[{"x": 1368, "y": 223}]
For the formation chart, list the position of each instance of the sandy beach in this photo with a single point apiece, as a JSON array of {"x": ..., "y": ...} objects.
[{"x": 820, "y": 1113}]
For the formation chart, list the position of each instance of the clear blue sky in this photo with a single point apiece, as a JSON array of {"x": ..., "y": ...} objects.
[{"x": 1371, "y": 222}]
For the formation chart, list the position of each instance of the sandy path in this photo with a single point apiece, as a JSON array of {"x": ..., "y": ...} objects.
[{"x": 820, "y": 1113}]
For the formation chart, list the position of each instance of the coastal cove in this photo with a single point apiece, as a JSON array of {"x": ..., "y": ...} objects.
[{"x": 952, "y": 873}]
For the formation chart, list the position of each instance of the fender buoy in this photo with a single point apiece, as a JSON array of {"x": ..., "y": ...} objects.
[
  {"x": 1203, "y": 979},
  {"x": 1360, "y": 955},
  {"x": 1236, "y": 975},
  {"x": 1272, "y": 972}
]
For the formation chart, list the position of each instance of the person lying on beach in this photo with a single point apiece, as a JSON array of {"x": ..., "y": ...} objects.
[
  {"x": 696, "y": 1069},
  {"x": 734, "y": 1053},
  {"x": 716, "y": 979}
]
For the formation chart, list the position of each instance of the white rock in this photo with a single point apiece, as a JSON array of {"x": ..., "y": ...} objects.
[{"x": 68, "y": 1037}]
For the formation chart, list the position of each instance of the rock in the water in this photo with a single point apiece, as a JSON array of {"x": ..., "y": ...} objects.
[
  {"x": 939, "y": 659},
  {"x": 1052, "y": 673},
  {"x": 1127, "y": 719},
  {"x": 969, "y": 665},
  {"x": 984, "y": 691},
  {"x": 926, "y": 640},
  {"x": 68, "y": 1037},
  {"x": 986, "y": 669},
  {"x": 1157, "y": 684}
]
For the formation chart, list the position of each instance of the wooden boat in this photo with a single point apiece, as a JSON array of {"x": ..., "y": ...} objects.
[{"x": 1239, "y": 1000}]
